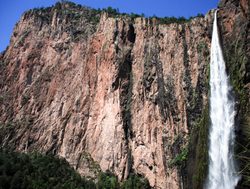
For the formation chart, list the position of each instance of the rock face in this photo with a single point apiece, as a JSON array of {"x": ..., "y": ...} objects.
[
  {"x": 126, "y": 92},
  {"x": 235, "y": 31}
]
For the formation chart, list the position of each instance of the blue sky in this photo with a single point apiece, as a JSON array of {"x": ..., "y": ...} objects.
[{"x": 11, "y": 10}]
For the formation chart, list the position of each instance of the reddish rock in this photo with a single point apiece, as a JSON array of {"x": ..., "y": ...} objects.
[{"x": 120, "y": 90}]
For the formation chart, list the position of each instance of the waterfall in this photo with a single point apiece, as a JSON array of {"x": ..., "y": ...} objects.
[{"x": 222, "y": 172}]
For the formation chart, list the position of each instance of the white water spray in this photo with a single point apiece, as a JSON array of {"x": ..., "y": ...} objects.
[{"x": 222, "y": 171}]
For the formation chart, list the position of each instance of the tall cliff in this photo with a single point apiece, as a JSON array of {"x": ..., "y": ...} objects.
[{"x": 132, "y": 94}]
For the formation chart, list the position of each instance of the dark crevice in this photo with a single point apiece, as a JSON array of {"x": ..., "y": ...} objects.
[
  {"x": 131, "y": 33},
  {"x": 126, "y": 85},
  {"x": 124, "y": 82},
  {"x": 165, "y": 99},
  {"x": 188, "y": 88},
  {"x": 149, "y": 73},
  {"x": 29, "y": 75},
  {"x": 170, "y": 96},
  {"x": 60, "y": 140}
]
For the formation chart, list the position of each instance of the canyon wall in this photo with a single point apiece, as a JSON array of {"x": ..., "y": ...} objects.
[
  {"x": 235, "y": 38},
  {"x": 129, "y": 94}
]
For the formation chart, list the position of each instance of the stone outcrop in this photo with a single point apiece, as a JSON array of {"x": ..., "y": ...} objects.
[{"x": 126, "y": 92}]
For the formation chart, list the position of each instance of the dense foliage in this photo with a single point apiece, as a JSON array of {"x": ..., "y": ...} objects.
[
  {"x": 28, "y": 171},
  {"x": 37, "y": 171},
  {"x": 179, "y": 20},
  {"x": 135, "y": 182}
]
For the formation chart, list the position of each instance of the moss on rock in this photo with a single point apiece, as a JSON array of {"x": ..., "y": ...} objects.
[{"x": 198, "y": 152}]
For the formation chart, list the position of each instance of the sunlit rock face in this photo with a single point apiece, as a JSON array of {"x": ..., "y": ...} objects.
[{"x": 125, "y": 91}]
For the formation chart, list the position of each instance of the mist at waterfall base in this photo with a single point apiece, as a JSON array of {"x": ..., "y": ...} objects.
[{"x": 222, "y": 172}]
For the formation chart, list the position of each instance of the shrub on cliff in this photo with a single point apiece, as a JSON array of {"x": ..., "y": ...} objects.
[
  {"x": 107, "y": 181},
  {"x": 135, "y": 182},
  {"x": 111, "y": 11}
]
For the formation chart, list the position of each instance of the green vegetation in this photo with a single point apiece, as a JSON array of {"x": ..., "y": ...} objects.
[
  {"x": 195, "y": 171},
  {"x": 80, "y": 15},
  {"x": 107, "y": 181},
  {"x": 135, "y": 182},
  {"x": 180, "y": 159},
  {"x": 201, "y": 164},
  {"x": 197, "y": 158},
  {"x": 94, "y": 14},
  {"x": 165, "y": 20},
  {"x": 172, "y": 19},
  {"x": 116, "y": 13},
  {"x": 237, "y": 61},
  {"x": 202, "y": 47},
  {"x": 179, "y": 152},
  {"x": 191, "y": 158},
  {"x": 93, "y": 165},
  {"x": 236, "y": 64},
  {"x": 243, "y": 153},
  {"x": 77, "y": 12},
  {"x": 111, "y": 12},
  {"x": 37, "y": 171}
]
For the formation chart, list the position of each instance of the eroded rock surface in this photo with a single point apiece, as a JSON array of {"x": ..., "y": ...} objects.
[{"x": 126, "y": 92}]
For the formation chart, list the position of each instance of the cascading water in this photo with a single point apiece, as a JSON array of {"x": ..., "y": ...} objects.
[{"x": 222, "y": 171}]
